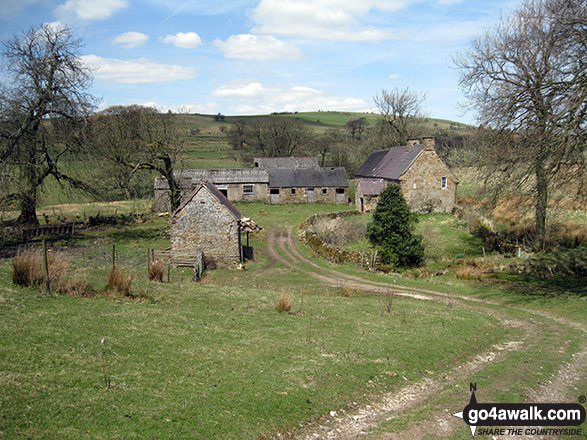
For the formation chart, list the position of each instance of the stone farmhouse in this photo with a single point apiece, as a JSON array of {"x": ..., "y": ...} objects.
[
  {"x": 207, "y": 222},
  {"x": 272, "y": 180},
  {"x": 427, "y": 183}
]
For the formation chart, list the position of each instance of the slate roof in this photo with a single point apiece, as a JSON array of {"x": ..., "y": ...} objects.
[
  {"x": 292, "y": 178},
  {"x": 218, "y": 177},
  {"x": 286, "y": 162},
  {"x": 372, "y": 187},
  {"x": 389, "y": 164},
  {"x": 214, "y": 191}
]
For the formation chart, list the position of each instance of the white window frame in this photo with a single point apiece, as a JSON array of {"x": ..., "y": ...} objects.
[
  {"x": 443, "y": 182},
  {"x": 252, "y": 187}
]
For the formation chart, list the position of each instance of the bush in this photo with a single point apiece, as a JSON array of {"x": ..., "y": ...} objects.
[
  {"x": 284, "y": 304},
  {"x": 339, "y": 231},
  {"x": 78, "y": 284},
  {"x": 156, "y": 271},
  {"x": 119, "y": 280},
  {"x": 392, "y": 230}
]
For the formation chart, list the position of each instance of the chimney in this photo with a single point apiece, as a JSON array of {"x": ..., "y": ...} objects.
[
  {"x": 412, "y": 142},
  {"x": 429, "y": 143}
]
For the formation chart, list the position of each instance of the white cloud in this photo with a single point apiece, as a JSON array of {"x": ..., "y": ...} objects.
[
  {"x": 138, "y": 71},
  {"x": 395, "y": 76},
  {"x": 186, "y": 40},
  {"x": 131, "y": 39},
  {"x": 89, "y": 9},
  {"x": 340, "y": 20},
  {"x": 255, "y": 98},
  {"x": 258, "y": 48}
]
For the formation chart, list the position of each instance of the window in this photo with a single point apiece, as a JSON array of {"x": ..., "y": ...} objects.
[
  {"x": 324, "y": 190},
  {"x": 339, "y": 190},
  {"x": 293, "y": 191},
  {"x": 247, "y": 189},
  {"x": 443, "y": 182}
]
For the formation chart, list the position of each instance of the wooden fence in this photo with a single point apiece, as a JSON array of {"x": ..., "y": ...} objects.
[{"x": 29, "y": 232}]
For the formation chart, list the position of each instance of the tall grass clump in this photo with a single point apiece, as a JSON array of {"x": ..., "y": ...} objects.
[
  {"x": 156, "y": 271},
  {"x": 339, "y": 231},
  {"x": 119, "y": 280},
  {"x": 284, "y": 304},
  {"x": 28, "y": 270}
]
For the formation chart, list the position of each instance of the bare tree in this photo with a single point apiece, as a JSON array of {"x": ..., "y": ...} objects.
[
  {"x": 43, "y": 110},
  {"x": 400, "y": 111},
  {"x": 275, "y": 136},
  {"x": 527, "y": 78},
  {"x": 135, "y": 138}
]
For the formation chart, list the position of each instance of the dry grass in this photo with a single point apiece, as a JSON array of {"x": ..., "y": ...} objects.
[
  {"x": 469, "y": 272},
  {"x": 156, "y": 271},
  {"x": 284, "y": 304},
  {"x": 339, "y": 231},
  {"x": 119, "y": 280},
  {"x": 347, "y": 291},
  {"x": 28, "y": 270}
]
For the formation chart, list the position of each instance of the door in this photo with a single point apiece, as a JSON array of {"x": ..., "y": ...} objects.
[
  {"x": 362, "y": 205},
  {"x": 274, "y": 195},
  {"x": 311, "y": 198},
  {"x": 340, "y": 195}
]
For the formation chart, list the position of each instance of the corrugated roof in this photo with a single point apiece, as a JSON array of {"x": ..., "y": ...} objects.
[
  {"x": 214, "y": 191},
  {"x": 372, "y": 187},
  {"x": 389, "y": 164},
  {"x": 287, "y": 162},
  {"x": 292, "y": 178}
]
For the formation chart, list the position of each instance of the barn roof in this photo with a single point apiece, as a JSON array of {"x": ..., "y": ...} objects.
[
  {"x": 286, "y": 162},
  {"x": 214, "y": 191},
  {"x": 371, "y": 187},
  {"x": 218, "y": 177},
  {"x": 389, "y": 164},
  {"x": 291, "y": 178}
]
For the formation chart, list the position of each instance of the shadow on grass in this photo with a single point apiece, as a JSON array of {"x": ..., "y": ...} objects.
[{"x": 533, "y": 287}]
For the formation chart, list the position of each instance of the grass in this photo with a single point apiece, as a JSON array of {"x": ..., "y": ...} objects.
[
  {"x": 215, "y": 360},
  {"x": 233, "y": 367}
]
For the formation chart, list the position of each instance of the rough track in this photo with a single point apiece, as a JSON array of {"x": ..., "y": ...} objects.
[{"x": 356, "y": 423}]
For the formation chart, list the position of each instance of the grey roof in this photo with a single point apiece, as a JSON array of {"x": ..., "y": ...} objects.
[
  {"x": 286, "y": 162},
  {"x": 292, "y": 178},
  {"x": 218, "y": 177},
  {"x": 372, "y": 187},
  {"x": 389, "y": 164},
  {"x": 214, "y": 191}
]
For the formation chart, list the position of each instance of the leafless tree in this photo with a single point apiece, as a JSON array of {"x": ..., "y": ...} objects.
[
  {"x": 527, "y": 78},
  {"x": 274, "y": 136},
  {"x": 135, "y": 138},
  {"x": 400, "y": 111},
  {"x": 43, "y": 109}
]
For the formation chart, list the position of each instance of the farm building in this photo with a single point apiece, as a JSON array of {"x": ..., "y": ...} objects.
[
  {"x": 207, "y": 222},
  {"x": 272, "y": 180},
  {"x": 427, "y": 183}
]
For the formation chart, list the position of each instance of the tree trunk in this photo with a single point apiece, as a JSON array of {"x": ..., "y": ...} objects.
[
  {"x": 541, "y": 202},
  {"x": 174, "y": 190},
  {"x": 28, "y": 209}
]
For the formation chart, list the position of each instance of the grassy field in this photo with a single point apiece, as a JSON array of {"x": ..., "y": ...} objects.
[{"x": 210, "y": 360}]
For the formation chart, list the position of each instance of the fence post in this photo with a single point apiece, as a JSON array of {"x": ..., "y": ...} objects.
[
  {"x": 148, "y": 262},
  {"x": 168, "y": 272},
  {"x": 113, "y": 255},
  {"x": 46, "y": 264}
]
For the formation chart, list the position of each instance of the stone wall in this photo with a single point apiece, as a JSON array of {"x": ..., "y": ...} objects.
[
  {"x": 369, "y": 202},
  {"x": 236, "y": 192},
  {"x": 205, "y": 225},
  {"x": 422, "y": 184},
  {"x": 321, "y": 195}
]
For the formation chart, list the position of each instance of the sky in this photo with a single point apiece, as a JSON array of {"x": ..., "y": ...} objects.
[{"x": 261, "y": 56}]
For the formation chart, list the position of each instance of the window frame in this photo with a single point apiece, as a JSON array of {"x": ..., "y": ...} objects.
[{"x": 245, "y": 187}]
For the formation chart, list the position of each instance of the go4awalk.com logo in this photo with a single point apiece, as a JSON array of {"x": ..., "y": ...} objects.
[{"x": 547, "y": 419}]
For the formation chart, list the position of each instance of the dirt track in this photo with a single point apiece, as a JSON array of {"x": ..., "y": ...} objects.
[{"x": 357, "y": 422}]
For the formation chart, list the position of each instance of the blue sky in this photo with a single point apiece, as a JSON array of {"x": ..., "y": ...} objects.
[{"x": 261, "y": 56}]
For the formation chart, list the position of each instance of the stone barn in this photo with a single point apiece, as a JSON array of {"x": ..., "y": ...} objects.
[
  {"x": 427, "y": 183},
  {"x": 272, "y": 180},
  {"x": 207, "y": 222}
]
